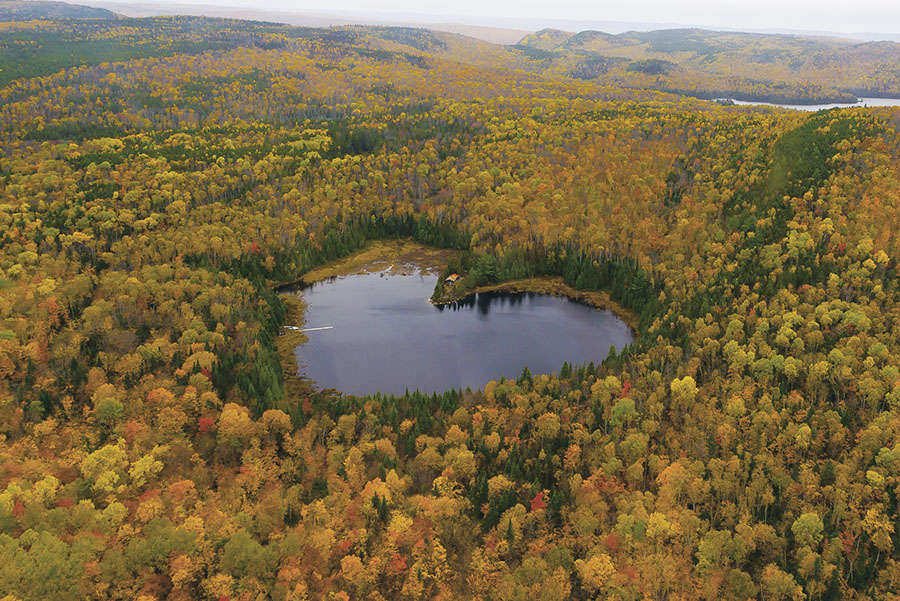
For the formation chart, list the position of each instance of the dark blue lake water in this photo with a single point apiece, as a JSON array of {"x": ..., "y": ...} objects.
[{"x": 386, "y": 337}]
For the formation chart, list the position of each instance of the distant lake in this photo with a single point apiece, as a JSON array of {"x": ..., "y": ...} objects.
[
  {"x": 384, "y": 336},
  {"x": 863, "y": 102}
]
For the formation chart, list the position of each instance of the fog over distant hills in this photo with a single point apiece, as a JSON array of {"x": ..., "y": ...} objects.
[{"x": 499, "y": 30}]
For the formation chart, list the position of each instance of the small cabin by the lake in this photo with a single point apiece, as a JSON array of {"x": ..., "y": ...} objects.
[{"x": 452, "y": 278}]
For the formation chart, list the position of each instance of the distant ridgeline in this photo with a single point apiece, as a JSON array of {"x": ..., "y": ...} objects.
[
  {"x": 159, "y": 178},
  {"x": 711, "y": 64},
  {"x": 786, "y": 69},
  {"x": 32, "y": 10}
]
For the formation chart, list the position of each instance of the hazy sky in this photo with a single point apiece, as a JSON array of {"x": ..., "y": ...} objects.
[{"x": 831, "y": 15}]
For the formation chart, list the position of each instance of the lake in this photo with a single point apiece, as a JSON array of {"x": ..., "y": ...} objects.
[
  {"x": 863, "y": 102},
  {"x": 384, "y": 336}
]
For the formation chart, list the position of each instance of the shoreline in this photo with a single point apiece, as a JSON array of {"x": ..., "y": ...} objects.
[
  {"x": 551, "y": 286},
  {"x": 287, "y": 340},
  {"x": 403, "y": 257},
  {"x": 397, "y": 257}
]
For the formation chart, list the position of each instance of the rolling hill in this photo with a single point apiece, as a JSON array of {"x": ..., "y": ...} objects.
[
  {"x": 833, "y": 67},
  {"x": 28, "y": 10}
]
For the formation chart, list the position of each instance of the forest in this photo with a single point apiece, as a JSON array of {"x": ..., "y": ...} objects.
[
  {"x": 160, "y": 178},
  {"x": 787, "y": 69}
]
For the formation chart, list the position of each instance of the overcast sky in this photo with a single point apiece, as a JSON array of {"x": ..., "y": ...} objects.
[
  {"x": 823, "y": 15},
  {"x": 841, "y": 16}
]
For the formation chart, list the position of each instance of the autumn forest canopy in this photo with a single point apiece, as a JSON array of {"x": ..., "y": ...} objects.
[{"x": 161, "y": 177}]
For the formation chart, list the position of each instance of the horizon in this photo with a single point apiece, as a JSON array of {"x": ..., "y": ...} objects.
[{"x": 799, "y": 17}]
